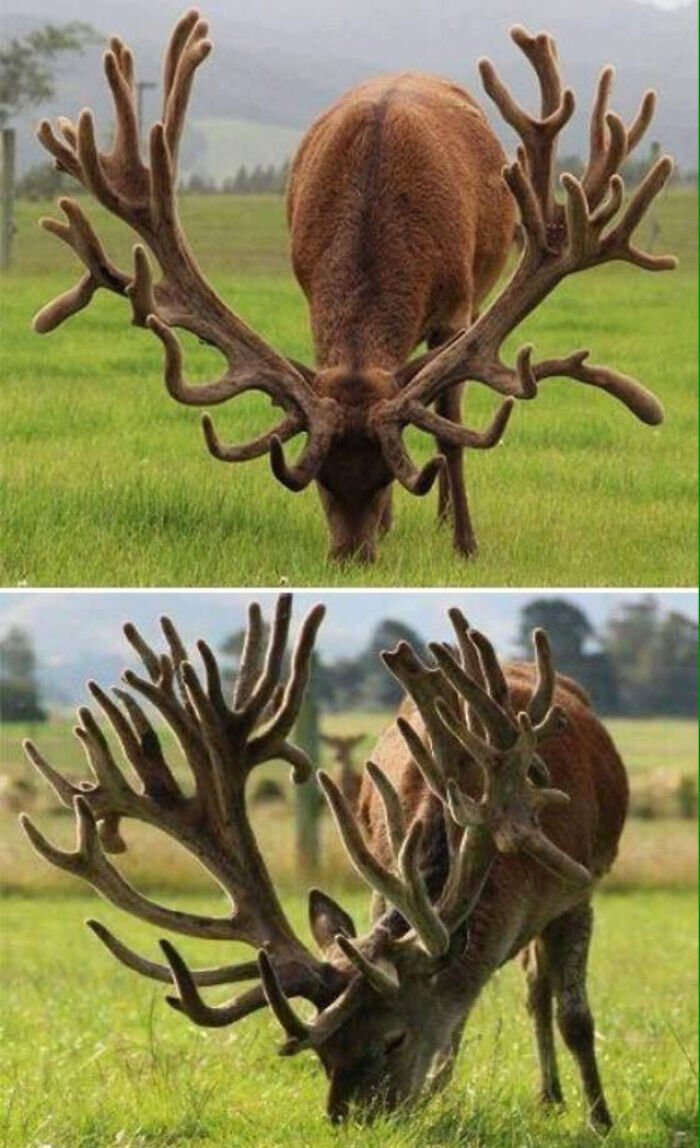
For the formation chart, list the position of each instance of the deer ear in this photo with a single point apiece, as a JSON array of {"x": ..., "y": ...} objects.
[{"x": 327, "y": 919}]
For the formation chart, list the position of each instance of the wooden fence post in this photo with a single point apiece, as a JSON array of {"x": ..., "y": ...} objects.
[{"x": 7, "y": 223}]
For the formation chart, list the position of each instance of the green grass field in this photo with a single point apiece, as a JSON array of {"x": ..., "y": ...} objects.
[
  {"x": 108, "y": 481},
  {"x": 92, "y": 1057}
]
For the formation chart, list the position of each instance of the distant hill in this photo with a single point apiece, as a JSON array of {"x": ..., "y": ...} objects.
[
  {"x": 222, "y": 146},
  {"x": 280, "y": 64}
]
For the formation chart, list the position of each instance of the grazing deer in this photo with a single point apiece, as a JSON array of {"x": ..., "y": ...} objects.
[
  {"x": 349, "y": 779},
  {"x": 402, "y": 215},
  {"x": 473, "y": 857}
]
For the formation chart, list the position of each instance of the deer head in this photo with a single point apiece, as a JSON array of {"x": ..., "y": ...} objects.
[
  {"x": 388, "y": 1003},
  {"x": 353, "y": 427}
]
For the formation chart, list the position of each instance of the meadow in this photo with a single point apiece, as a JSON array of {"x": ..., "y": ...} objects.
[
  {"x": 91, "y": 1056},
  {"x": 108, "y": 482}
]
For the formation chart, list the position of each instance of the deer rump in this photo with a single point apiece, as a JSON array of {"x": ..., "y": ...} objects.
[
  {"x": 583, "y": 763},
  {"x": 399, "y": 216}
]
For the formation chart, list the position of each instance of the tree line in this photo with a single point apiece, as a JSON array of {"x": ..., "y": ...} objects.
[
  {"x": 43, "y": 182},
  {"x": 642, "y": 662}
]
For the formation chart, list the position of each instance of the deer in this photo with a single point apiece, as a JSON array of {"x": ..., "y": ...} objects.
[
  {"x": 343, "y": 746},
  {"x": 402, "y": 214},
  {"x": 491, "y": 807}
]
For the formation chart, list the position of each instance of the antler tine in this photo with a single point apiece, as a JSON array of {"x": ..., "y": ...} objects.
[
  {"x": 448, "y": 431},
  {"x": 380, "y": 979},
  {"x": 432, "y": 774},
  {"x": 274, "y": 656},
  {"x": 471, "y": 663},
  {"x": 126, "y": 138},
  {"x": 280, "y": 725},
  {"x": 492, "y": 672},
  {"x": 493, "y": 717},
  {"x": 191, "y": 1003},
  {"x": 224, "y": 975},
  {"x": 617, "y": 243},
  {"x": 64, "y": 789},
  {"x": 539, "y": 136},
  {"x": 294, "y": 1027},
  {"x": 89, "y": 861},
  {"x": 541, "y": 51},
  {"x": 543, "y": 693},
  {"x": 188, "y": 47},
  {"x": 108, "y": 775},
  {"x": 285, "y": 429},
  {"x": 251, "y": 658},
  {"x": 79, "y": 235},
  {"x": 150, "y": 659},
  {"x": 415, "y": 481},
  {"x": 393, "y": 813},
  {"x": 424, "y": 685},
  {"x": 406, "y": 893}
]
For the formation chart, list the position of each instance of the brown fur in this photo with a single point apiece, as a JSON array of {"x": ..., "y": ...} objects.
[
  {"x": 400, "y": 225},
  {"x": 399, "y": 217}
]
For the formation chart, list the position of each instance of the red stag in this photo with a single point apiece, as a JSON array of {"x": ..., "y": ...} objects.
[
  {"x": 491, "y": 808},
  {"x": 402, "y": 216}
]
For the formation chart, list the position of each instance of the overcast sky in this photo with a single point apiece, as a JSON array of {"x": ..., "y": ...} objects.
[{"x": 67, "y": 626}]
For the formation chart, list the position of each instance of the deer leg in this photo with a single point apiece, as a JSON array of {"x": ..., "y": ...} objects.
[
  {"x": 539, "y": 1006},
  {"x": 434, "y": 340},
  {"x": 567, "y": 943},
  {"x": 452, "y": 491}
]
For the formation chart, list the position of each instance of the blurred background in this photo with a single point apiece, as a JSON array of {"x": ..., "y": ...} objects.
[
  {"x": 275, "y": 66},
  {"x": 635, "y": 654}
]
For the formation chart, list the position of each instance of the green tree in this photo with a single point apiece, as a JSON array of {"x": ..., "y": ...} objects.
[
  {"x": 19, "y": 688},
  {"x": 364, "y": 680},
  {"x": 655, "y": 656},
  {"x": 28, "y": 64},
  {"x": 27, "y": 78},
  {"x": 571, "y": 635},
  {"x": 568, "y": 627}
]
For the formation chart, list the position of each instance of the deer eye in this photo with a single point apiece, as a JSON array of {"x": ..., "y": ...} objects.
[{"x": 394, "y": 1042}]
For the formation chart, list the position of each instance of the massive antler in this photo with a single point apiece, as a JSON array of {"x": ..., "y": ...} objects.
[
  {"x": 144, "y": 197},
  {"x": 222, "y": 743},
  {"x": 465, "y": 706},
  {"x": 592, "y": 226},
  {"x": 467, "y": 714}
]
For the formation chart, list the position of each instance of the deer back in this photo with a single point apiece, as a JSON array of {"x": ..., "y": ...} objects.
[{"x": 399, "y": 216}]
